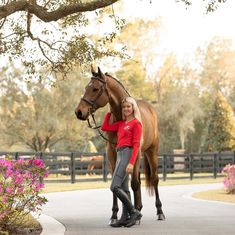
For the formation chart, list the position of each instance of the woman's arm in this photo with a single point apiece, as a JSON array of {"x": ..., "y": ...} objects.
[
  {"x": 137, "y": 133},
  {"x": 106, "y": 126}
]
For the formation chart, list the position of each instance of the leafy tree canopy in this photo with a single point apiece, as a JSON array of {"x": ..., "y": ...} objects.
[
  {"x": 57, "y": 35},
  {"x": 221, "y": 126},
  {"x": 218, "y": 66}
]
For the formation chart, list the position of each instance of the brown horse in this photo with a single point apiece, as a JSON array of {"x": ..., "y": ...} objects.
[
  {"x": 104, "y": 89},
  {"x": 96, "y": 162}
]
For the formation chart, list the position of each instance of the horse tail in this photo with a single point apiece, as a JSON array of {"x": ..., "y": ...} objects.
[{"x": 148, "y": 182}]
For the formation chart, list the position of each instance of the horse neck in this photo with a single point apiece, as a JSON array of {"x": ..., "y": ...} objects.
[{"x": 117, "y": 94}]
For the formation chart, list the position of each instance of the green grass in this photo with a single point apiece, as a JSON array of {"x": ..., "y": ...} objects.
[
  {"x": 67, "y": 186},
  {"x": 216, "y": 195},
  {"x": 61, "y": 187}
]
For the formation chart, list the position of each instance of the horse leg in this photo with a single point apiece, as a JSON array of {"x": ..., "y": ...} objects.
[
  {"x": 112, "y": 156},
  {"x": 92, "y": 168},
  {"x": 152, "y": 159},
  {"x": 89, "y": 168},
  {"x": 135, "y": 185}
]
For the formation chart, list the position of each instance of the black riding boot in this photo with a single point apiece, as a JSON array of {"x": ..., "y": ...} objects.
[
  {"x": 134, "y": 214},
  {"x": 124, "y": 220}
]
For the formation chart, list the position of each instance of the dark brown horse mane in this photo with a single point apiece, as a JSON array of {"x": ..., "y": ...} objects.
[{"x": 106, "y": 74}]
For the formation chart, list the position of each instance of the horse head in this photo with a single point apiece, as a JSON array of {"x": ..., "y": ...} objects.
[{"x": 95, "y": 96}]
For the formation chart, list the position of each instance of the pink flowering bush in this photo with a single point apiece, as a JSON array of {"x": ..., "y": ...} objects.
[
  {"x": 20, "y": 186},
  {"x": 229, "y": 180}
]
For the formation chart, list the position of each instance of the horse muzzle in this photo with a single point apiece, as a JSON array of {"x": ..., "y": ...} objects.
[{"x": 80, "y": 116}]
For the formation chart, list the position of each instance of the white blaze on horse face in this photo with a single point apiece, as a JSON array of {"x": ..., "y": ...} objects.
[{"x": 89, "y": 86}]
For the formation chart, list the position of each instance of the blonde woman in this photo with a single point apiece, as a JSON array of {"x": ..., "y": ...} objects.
[{"x": 129, "y": 133}]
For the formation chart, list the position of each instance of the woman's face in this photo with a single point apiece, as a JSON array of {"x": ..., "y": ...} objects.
[{"x": 127, "y": 109}]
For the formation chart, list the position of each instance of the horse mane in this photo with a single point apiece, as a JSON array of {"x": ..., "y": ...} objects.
[{"x": 106, "y": 74}]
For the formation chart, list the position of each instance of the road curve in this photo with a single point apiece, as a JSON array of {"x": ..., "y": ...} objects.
[{"x": 87, "y": 212}]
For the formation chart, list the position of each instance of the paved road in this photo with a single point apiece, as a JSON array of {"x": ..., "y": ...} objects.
[{"x": 87, "y": 212}]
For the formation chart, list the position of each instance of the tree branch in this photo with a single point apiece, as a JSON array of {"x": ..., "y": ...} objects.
[
  {"x": 44, "y": 15},
  {"x": 2, "y": 23},
  {"x": 29, "y": 20}
]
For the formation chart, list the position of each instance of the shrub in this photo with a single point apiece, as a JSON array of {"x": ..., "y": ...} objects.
[
  {"x": 20, "y": 185},
  {"x": 229, "y": 180}
]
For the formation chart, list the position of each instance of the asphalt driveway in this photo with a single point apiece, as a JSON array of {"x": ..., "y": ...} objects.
[{"x": 87, "y": 212}]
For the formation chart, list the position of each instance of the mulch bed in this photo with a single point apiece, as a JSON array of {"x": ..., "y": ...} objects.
[{"x": 24, "y": 231}]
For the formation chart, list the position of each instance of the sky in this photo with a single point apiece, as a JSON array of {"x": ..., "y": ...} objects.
[{"x": 185, "y": 29}]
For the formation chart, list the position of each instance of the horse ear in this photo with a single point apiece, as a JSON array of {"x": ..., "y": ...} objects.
[
  {"x": 93, "y": 70},
  {"x": 101, "y": 75}
]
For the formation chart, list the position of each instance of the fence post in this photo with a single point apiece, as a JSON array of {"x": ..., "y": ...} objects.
[
  {"x": 105, "y": 168},
  {"x": 16, "y": 156},
  {"x": 219, "y": 167},
  {"x": 41, "y": 156},
  {"x": 191, "y": 166},
  {"x": 72, "y": 172},
  {"x": 215, "y": 165},
  {"x": 164, "y": 167}
]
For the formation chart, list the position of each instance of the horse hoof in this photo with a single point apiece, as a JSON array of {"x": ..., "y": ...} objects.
[
  {"x": 112, "y": 221},
  {"x": 161, "y": 217}
]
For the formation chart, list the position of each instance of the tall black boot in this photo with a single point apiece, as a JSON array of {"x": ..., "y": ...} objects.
[
  {"x": 124, "y": 220},
  {"x": 134, "y": 214}
]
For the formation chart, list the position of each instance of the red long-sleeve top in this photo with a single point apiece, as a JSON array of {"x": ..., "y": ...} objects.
[{"x": 129, "y": 134}]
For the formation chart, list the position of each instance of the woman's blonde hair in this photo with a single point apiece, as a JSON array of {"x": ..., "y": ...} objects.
[
  {"x": 135, "y": 108},
  {"x": 136, "y": 112}
]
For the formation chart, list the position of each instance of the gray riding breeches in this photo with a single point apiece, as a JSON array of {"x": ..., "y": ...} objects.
[{"x": 120, "y": 176}]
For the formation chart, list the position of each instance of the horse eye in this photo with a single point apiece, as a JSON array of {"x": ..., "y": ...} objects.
[{"x": 95, "y": 89}]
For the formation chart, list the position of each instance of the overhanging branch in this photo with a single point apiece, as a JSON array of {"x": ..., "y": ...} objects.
[{"x": 46, "y": 16}]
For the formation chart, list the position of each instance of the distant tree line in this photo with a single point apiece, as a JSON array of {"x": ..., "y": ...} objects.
[{"x": 195, "y": 101}]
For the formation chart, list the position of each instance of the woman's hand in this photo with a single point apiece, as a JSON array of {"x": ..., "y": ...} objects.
[{"x": 129, "y": 168}]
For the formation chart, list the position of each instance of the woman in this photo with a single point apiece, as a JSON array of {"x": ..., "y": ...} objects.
[{"x": 129, "y": 133}]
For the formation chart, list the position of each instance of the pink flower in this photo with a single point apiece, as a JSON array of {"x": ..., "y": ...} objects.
[
  {"x": 19, "y": 179},
  {"x": 226, "y": 182},
  {"x": 38, "y": 186},
  {"x": 8, "y": 189},
  {"x": 229, "y": 181},
  {"x": 5, "y": 163},
  {"x": 46, "y": 173},
  {"x": 9, "y": 172},
  {"x": 27, "y": 174},
  {"x": 39, "y": 163},
  {"x": 19, "y": 186},
  {"x": 21, "y": 161},
  {"x": 21, "y": 189}
]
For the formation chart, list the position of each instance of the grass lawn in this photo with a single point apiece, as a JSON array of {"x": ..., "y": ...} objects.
[
  {"x": 62, "y": 187},
  {"x": 67, "y": 186},
  {"x": 216, "y": 195}
]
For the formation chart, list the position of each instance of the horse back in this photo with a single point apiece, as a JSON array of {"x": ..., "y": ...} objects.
[{"x": 150, "y": 124}]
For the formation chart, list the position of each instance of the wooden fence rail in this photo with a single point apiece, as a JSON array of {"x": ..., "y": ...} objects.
[{"x": 73, "y": 164}]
